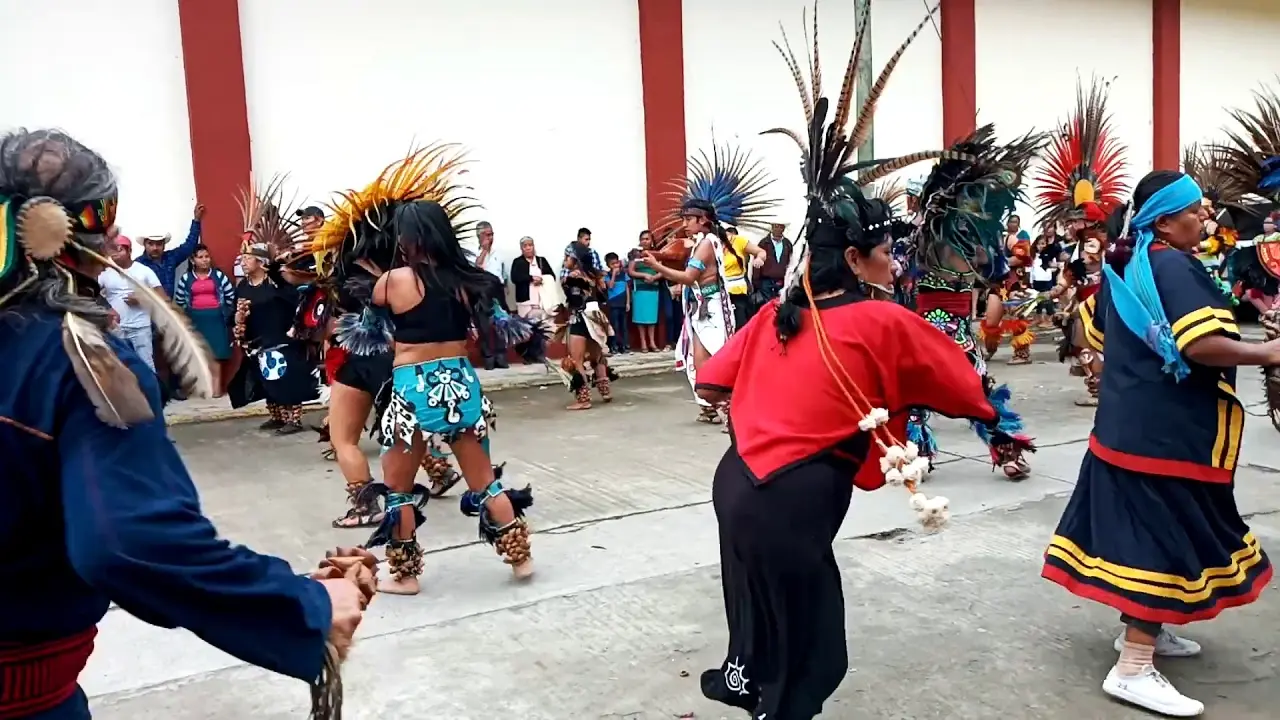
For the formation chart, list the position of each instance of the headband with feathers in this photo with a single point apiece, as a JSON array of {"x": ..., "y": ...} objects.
[
  {"x": 57, "y": 204},
  {"x": 1251, "y": 158},
  {"x": 828, "y": 151},
  {"x": 1085, "y": 164},
  {"x": 728, "y": 181}
]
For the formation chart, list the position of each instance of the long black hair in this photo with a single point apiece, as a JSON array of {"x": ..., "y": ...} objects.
[
  {"x": 1120, "y": 243},
  {"x": 428, "y": 244},
  {"x": 828, "y": 237}
]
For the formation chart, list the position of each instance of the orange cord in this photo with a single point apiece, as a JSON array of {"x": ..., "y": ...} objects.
[{"x": 880, "y": 433}]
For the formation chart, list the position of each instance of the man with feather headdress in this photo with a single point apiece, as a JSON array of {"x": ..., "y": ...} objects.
[
  {"x": 1080, "y": 186},
  {"x": 725, "y": 188},
  {"x": 100, "y": 506}
]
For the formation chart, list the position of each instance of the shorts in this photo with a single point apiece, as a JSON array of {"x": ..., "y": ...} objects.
[
  {"x": 439, "y": 398},
  {"x": 366, "y": 373}
]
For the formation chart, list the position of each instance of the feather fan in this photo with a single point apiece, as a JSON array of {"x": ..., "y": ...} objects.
[
  {"x": 1251, "y": 158},
  {"x": 731, "y": 181},
  {"x": 1085, "y": 162},
  {"x": 183, "y": 348},
  {"x": 113, "y": 389}
]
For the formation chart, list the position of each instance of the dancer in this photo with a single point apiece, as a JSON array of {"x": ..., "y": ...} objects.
[
  {"x": 834, "y": 362},
  {"x": 1152, "y": 528},
  {"x": 584, "y": 329},
  {"x": 401, "y": 231},
  {"x": 1008, "y": 299},
  {"x": 1081, "y": 184},
  {"x": 278, "y": 366},
  {"x": 964, "y": 201},
  {"x": 98, "y": 502},
  {"x": 726, "y": 187},
  {"x": 357, "y": 363}
]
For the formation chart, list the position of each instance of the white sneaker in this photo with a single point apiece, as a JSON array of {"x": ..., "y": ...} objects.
[
  {"x": 1152, "y": 691},
  {"x": 1168, "y": 645}
]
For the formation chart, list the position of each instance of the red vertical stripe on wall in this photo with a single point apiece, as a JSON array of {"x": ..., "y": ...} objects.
[
  {"x": 1166, "y": 71},
  {"x": 219, "y": 118},
  {"x": 959, "y": 70},
  {"x": 662, "y": 74}
]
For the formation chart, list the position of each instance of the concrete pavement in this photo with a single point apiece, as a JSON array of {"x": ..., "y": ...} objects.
[{"x": 625, "y": 611}]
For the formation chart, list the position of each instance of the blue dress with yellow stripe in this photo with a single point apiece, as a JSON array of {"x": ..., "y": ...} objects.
[{"x": 1152, "y": 528}]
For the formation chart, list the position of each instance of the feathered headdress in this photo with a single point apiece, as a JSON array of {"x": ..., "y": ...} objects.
[
  {"x": 729, "y": 181},
  {"x": 57, "y": 204},
  {"x": 1207, "y": 165},
  {"x": 268, "y": 217},
  {"x": 1085, "y": 164},
  {"x": 1252, "y": 157},
  {"x": 359, "y": 227},
  {"x": 967, "y": 198}
]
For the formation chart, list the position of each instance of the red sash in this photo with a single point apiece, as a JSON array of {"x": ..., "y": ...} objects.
[{"x": 37, "y": 678}]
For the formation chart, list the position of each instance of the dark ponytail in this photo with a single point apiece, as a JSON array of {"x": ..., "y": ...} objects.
[{"x": 827, "y": 239}]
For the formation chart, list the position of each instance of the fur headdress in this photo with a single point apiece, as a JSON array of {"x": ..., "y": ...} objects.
[
  {"x": 57, "y": 207},
  {"x": 1083, "y": 175}
]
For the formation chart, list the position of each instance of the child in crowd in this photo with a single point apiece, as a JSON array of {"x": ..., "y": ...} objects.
[{"x": 618, "y": 286}]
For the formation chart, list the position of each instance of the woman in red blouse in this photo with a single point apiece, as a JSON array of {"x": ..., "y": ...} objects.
[{"x": 785, "y": 483}]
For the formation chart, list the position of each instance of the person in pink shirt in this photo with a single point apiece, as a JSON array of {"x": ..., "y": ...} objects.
[{"x": 209, "y": 299}]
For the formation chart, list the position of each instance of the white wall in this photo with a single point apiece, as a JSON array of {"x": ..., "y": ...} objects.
[
  {"x": 1029, "y": 55},
  {"x": 736, "y": 82},
  {"x": 546, "y": 96},
  {"x": 112, "y": 78},
  {"x": 1230, "y": 48}
]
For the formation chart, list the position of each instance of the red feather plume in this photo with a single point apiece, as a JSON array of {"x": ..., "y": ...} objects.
[{"x": 1084, "y": 162}]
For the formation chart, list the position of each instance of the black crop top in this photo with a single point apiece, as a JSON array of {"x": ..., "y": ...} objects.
[{"x": 439, "y": 317}]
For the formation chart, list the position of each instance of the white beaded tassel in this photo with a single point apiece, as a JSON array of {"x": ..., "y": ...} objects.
[{"x": 903, "y": 466}]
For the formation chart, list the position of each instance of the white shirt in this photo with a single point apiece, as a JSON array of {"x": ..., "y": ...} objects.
[
  {"x": 115, "y": 289},
  {"x": 1040, "y": 273},
  {"x": 494, "y": 265}
]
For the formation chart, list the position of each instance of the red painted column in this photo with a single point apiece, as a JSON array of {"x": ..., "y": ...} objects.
[
  {"x": 662, "y": 75},
  {"x": 219, "y": 118},
  {"x": 959, "y": 70},
  {"x": 1166, "y": 71}
]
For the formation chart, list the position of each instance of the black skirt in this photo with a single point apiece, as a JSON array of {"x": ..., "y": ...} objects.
[
  {"x": 1159, "y": 549},
  {"x": 782, "y": 593},
  {"x": 284, "y": 375}
]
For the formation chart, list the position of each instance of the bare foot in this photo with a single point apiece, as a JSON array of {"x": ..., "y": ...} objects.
[
  {"x": 523, "y": 571},
  {"x": 579, "y": 406},
  {"x": 407, "y": 586}
]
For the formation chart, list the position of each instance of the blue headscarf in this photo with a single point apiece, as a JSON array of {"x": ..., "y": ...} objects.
[{"x": 1135, "y": 297}]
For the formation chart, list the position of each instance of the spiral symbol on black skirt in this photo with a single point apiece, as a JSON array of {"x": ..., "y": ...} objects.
[{"x": 735, "y": 677}]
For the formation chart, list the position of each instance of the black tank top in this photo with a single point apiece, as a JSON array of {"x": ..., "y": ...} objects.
[{"x": 439, "y": 317}]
